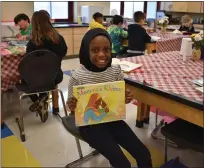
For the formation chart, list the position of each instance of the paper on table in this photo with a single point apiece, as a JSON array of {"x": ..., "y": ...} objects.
[
  {"x": 125, "y": 65},
  {"x": 155, "y": 38},
  {"x": 199, "y": 89},
  {"x": 198, "y": 82},
  {"x": 177, "y": 32}
]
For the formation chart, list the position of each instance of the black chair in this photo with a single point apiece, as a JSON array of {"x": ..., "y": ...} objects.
[
  {"x": 69, "y": 124},
  {"x": 39, "y": 70},
  {"x": 184, "y": 134}
]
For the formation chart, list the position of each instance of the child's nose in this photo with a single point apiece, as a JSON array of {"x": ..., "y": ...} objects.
[{"x": 101, "y": 53}]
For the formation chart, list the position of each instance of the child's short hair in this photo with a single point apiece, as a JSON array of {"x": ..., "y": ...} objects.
[
  {"x": 117, "y": 19},
  {"x": 138, "y": 16},
  {"x": 20, "y": 17},
  {"x": 97, "y": 15},
  {"x": 186, "y": 19}
]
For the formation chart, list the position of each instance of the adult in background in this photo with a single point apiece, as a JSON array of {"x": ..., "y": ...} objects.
[{"x": 44, "y": 36}]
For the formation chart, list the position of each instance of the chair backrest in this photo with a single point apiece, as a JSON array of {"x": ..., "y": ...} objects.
[{"x": 39, "y": 70}]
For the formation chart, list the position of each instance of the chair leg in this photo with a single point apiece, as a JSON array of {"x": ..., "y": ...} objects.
[
  {"x": 19, "y": 121},
  {"x": 63, "y": 102},
  {"x": 165, "y": 149},
  {"x": 157, "y": 128},
  {"x": 82, "y": 158},
  {"x": 79, "y": 148},
  {"x": 156, "y": 117}
]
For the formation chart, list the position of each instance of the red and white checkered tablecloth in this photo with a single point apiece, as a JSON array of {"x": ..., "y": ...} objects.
[
  {"x": 9, "y": 71},
  {"x": 168, "y": 41},
  {"x": 168, "y": 72}
]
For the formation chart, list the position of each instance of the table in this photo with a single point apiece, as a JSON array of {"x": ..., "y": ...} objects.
[
  {"x": 165, "y": 82},
  {"x": 10, "y": 59},
  {"x": 168, "y": 42}
]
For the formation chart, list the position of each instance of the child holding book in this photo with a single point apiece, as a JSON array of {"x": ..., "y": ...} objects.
[{"x": 106, "y": 138}]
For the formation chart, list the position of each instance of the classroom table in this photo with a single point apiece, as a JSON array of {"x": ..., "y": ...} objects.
[
  {"x": 10, "y": 59},
  {"x": 168, "y": 42},
  {"x": 165, "y": 81}
]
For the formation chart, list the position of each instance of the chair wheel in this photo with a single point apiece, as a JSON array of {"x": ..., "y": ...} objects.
[{"x": 23, "y": 138}]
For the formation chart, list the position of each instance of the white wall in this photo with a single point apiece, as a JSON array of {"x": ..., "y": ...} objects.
[{"x": 10, "y": 9}]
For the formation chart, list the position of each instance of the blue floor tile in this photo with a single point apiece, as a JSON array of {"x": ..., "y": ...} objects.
[
  {"x": 67, "y": 72},
  {"x": 6, "y": 132}
]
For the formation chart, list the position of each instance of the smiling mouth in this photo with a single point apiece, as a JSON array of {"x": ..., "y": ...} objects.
[{"x": 102, "y": 62}]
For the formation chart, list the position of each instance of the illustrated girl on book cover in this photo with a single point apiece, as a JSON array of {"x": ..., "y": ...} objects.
[{"x": 96, "y": 109}]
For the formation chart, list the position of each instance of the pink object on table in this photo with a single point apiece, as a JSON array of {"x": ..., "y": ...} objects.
[
  {"x": 3, "y": 44},
  {"x": 4, "y": 52}
]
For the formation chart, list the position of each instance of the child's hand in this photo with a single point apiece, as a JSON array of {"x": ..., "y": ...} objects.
[
  {"x": 22, "y": 38},
  {"x": 71, "y": 103},
  {"x": 128, "y": 96},
  {"x": 18, "y": 35}
]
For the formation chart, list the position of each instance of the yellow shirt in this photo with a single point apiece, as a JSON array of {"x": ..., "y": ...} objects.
[{"x": 95, "y": 24}]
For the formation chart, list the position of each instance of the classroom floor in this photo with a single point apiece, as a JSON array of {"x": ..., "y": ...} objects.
[{"x": 50, "y": 145}]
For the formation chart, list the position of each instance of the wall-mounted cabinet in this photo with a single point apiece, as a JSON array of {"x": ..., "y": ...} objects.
[
  {"x": 73, "y": 38},
  {"x": 191, "y": 7},
  {"x": 78, "y": 34},
  {"x": 195, "y": 7}
]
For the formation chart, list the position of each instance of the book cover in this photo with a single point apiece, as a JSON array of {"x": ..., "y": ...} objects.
[{"x": 99, "y": 103}]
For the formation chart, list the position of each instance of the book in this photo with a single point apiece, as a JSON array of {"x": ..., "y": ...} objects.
[
  {"x": 176, "y": 32},
  {"x": 99, "y": 103},
  {"x": 155, "y": 38},
  {"x": 126, "y": 66},
  {"x": 198, "y": 82}
]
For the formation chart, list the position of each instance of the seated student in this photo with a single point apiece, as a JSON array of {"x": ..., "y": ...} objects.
[
  {"x": 106, "y": 138},
  {"x": 23, "y": 21},
  {"x": 187, "y": 24},
  {"x": 137, "y": 35},
  {"x": 97, "y": 21},
  {"x": 117, "y": 34},
  {"x": 46, "y": 12},
  {"x": 44, "y": 36}
]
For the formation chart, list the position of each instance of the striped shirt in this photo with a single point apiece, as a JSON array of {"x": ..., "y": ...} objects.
[{"x": 83, "y": 76}]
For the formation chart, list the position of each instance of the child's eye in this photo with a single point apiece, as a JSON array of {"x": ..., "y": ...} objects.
[
  {"x": 106, "y": 50},
  {"x": 95, "y": 50}
]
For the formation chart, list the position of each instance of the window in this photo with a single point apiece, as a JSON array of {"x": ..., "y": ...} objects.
[
  {"x": 131, "y": 7},
  {"x": 128, "y": 9},
  {"x": 115, "y": 8},
  {"x": 57, "y": 10},
  {"x": 138, "y": 6},
  {"x": 151, "y": 10}
]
